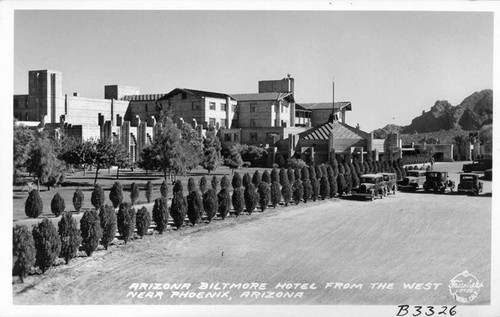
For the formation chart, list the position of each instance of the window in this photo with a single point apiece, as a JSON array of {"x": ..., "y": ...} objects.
[
  {"x": 223, "y": 123},
  {"x": 227, "y": 137},
  {"x": 196, "y": 105},
  {"x": 211, "y": 122},
  {"x": 253, "y": 108},
  {"x": 236, "y": 137},
  {"x": 211, "y": 105},
  {"x": 252, "y": 123},
  {"x": 223, "y": 107},
  {"x": 253, "y": 136}
]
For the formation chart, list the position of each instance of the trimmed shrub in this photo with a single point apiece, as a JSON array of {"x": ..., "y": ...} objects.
[
  {"x": 246, "y": 180},
  {"x": 297, "y": 173},
  {"x": 307, "y": 190},
  {"x": 354, "y": 180},
  {"x": 23, "y": 251},
  {"x": 34, "y": 205},
  {"x": 47, "y": 244},
  {"x": 266, "y": 178},
  {"x": 320, "y": 170},
  {"x": 283, "y": 177},
  {"x": 142, "y": 222},
  {"x": 149, "y": 191},
  {"x": 280, "y": 160},
  {"x": 315, "y": 187},
  {"x": 97, "y": 198},
  {"x": 224, "y": 182},
  {"x": 90, "y": 227},
  {"x": 298, "y": 191},
  {"x": 126, "y": 221},
  {"x": 160, "y": 214},
  {"x": 291, "y": 175},
  {"x": 256, "y": 179},
  {"x": 275, "y": 175},
  {"x": 210, "y": 204},
  {"x": 203, "y": 184},
  {"x": 164, "y": 189},
  {"x": 191, "y": 185},
  {"x": 134, "y": 193},
  {"x": 324, "y": 190},
  {"x": 78, "y": 198},
  {"x": 70, "y": 237},
  {"x": 178, "y": 209},
  {"x": 194, "y": 207},
  {"x": 341, "y": 184},
  {"x": 312, "y": 172},
  {"x": 275, "y": 193},
  {"x": 107, "y": 217},
  {"x": 286, "y": 192},
  {"x": 251, "y": 198},
  {"x": 237, "y": 200},
  {"x": 224, "y": 202},
  {"x": 57, "y": 205},
  {"x": 116, "y": 194},
  {"x": 334, "y": 188},
  {"x": 398, "y": 173},
  {"x": 264, "y": 195},
  {"x": 215, "y": 183},
  {"x": 236, "y": 181}
]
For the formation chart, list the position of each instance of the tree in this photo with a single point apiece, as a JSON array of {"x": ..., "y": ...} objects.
[
  {"x": 332, "y": 180},
  {"x": 44, "y": 165},
  {"x": 280, "y": 160},
  {"x": 203, "y": 184},
  {"x": 108, "y": 221},
  {"x": 291, "y": 175},
  {"x": 211, "y": 151},
  {"x": 286, "y": 192},
  {"x": 164, "y": 189},
  {"x": 194, "y": 207},
  {"x": 324, "y": 187},
  {"x": 298, "y": 191},
  {"x": 237, "y": 200},
  {"x": 341, "y": 184},
  {"x": 178, "y": 209},
  {"x": 97, "y": 198},
  {"x": 210, "y": 204},
  {"x": 224, "y": 182},
  {"x": 57, "y": 205},
  {"x": 224, "y": 200},
  {"x": 275, "y": 193},
  {"x": 256, "y": 178},
  {"x": 251, "y": 198},
  {"x": 215, "y": 183},
  {"x": 34, "y": 204},
  {"x": 149, "y": 191},
  {"x": 160, "y": 214},
  {"x": 90, "y": 227},
  {"x": 78, "y": 198},
  {"x": 23, "y": 251},
  {"x": 264, "y": 195},
  {"x": 70, "y": 237},
  {"x": 143, "y": 221},
  {"x": 307, "y": 190},
  {"x": 23, "y": 139},
  {"x": 246, "y": 180},
  {"x": 74, "y": 151},
  {"x": 119, "y": 157},
  {"x": 126, "y": 221},
  {"x": 275, "y": 176},
  {"x": 316, "y": 187},
  {"x": 116, "y": 194},
  {"x": 234, "y": 160},
  {"x": 283, "y": 177},
  {"x": 297, "y": 173},
  {"x": 134, "y": 193},
  {"x": 47, "y": 244},
  {"x": 236, "y": 181},
  {"x": 266, "y": 178},
  {"x": 191, "y": 185},
  {"x": 103, "y": 155}
]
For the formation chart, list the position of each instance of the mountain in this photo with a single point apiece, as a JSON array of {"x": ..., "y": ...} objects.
[{"x": 390, "y": 128}]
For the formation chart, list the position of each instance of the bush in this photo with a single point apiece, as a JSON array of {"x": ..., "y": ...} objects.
[
  {"x": 224, "y": 202},
  {"x": 264, "y": 195},
  {"x": 191, "y": 185},
  {"x": 160, "y": 215},
  {"x": 23, "y": 251},
  {"x": 210, "y": 204},
  {"x": 178, "y": 209},
  {"x": 107, "y": 217},
  {"x": 251, "y": 198},
  {"x": 319, "y": 169},
  {"x": 34, "y": 205},
  {"x": 143, "y": 221},
  {"x": 291, "y": 175},
  {"x": 312, "y": 172},
  {"x": 116, "y": 194},
  {"x": 256, "y": 179},
  {"x": 298, "y": 191},
  {"x": 280, "y": 160},
  {"x": 90, "y": 227},
  {"x": 70, "y": 237},
  {"x": 149, "y": 191},
  {"x": 266, "y": 178},
  {"x": 315, "y": 187},
  {"x": 194, "y": 207},
  {"x": 164, "y": 189},
  {"x": 78, "y": 198},
  {"x": 47, "y": 244},
  {"x": 246, "y": 180},
  {"x": 297, "y": 173},
  {"x": 286, "y": 192},
  {"x": 237, "y": 200},
  {"x": 275, "y": 175},
  {"x": 203, "y": 184},
  {"x": 236, "y": 181},
  {"x": 275, "y": 193},
  {"x": 57, "y": 205},
  {"x": 134, "y": 193},
  {"x": 341, "y": 184},
  {"x": 224, "y": 182},
  {"x": 296, "y": 163},
  {"x": 283, "y": 177},
  {"x": 97, "y": 198},
  {"x": 215, "y": 183},
  {"x": 126, "y": 221},
  {"x": 307, "y": 190},
  {"x": 324, "y": 190}
]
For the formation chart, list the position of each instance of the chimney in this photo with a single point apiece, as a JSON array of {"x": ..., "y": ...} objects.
[{"x": 357, "y": 126}]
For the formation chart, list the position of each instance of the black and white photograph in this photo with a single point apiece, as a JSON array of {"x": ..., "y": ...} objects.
[{"x": 241, "y": 159}]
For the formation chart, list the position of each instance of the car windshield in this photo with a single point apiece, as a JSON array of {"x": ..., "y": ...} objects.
[{"x": 370, "y": 180}]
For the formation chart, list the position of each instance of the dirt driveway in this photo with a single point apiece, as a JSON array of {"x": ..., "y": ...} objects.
[{"x": 401, "y": 249}]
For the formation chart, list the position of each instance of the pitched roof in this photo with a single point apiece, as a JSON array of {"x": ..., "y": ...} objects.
[
  {"x": 198, "y": 93},
  {"x": 299, "y": 107},
  {"x": 143, "y": 97},
  {"x": 327, "y": 105},
  {"x": 339, "y": 130},
  {"x": 262, "y": 96}
]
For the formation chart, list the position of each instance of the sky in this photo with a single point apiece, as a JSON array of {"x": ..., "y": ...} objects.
[{"x": 390, "y": 65}]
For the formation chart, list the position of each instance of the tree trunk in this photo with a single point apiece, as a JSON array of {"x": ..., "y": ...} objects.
[
  {"x": 84, "y": 169},
  {"x": 96, "y": 174},
  {"x": 165, "y": 174},
  {"x": 117, "y": 172}
]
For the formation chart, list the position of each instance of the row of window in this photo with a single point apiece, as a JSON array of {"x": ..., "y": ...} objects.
[
  {"x": 196, "y": 105},
  {"x": 212, "y": 122}
]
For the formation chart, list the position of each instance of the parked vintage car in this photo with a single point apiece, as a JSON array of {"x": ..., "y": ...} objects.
[
  {"x": 390, "y": 180},
  {"x": 478, "y": 165},
  {"x": 414, "y": 180},
  {"x": 438, "y": 182},
  {"x": 371, "y": 185},
  {"x": 470, "y": 184}
]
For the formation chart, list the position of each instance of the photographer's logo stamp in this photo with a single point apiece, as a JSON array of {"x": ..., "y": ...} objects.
[{"x": 465, "y": 287}]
